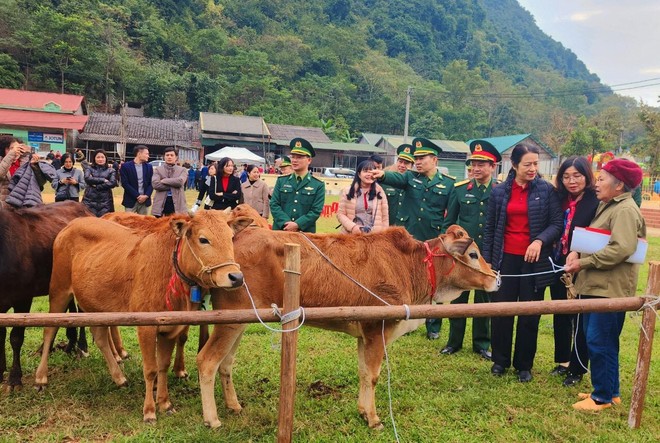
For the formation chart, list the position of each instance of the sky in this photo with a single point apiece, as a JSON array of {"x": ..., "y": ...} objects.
[{"x": 618, "y": 40}]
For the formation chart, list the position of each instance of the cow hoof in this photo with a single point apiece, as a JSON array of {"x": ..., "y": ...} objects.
[
  {"x": 151, "y": 419},
  {"x": 181, "y": 374},
  {"x": 123, "y": 383},
  {"x": 40, "y": 388},
  {"x": 171, "y": 411},
  {"x": 215, "y": 424},
  {"x": 83, "y": 354},
  {"x": 378, "y": 426}
]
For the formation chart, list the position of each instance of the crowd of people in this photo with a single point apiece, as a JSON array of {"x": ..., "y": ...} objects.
[{"x": 521, "y": 225}]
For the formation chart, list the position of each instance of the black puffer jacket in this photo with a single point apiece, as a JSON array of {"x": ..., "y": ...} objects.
[
  {"x": 98, "y": 194},
  {"x": 545, "y": 224}
]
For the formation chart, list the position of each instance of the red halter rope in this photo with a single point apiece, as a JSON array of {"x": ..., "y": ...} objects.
[
  {"x": 430, "y": 267},
  {"x": 176, "y": 286}
]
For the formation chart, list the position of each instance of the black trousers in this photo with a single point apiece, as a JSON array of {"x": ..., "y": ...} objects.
[
  {"x": 562, "y": 325},
  {"x": 527, "y": 329}
]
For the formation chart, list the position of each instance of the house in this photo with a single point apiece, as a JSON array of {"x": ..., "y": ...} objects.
[
  {"x": 46, "y": 121},
  {"x": 220, "y": 130},
  {"x": 104, "y": 131},
  {"x": 548, "y": 164}
]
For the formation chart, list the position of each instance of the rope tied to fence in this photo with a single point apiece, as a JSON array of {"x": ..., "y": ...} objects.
[
  {"x": 286, "y": 318},
  {"x": 652, "y": 302}
]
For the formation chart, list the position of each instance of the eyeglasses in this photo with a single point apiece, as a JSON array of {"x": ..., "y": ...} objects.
[{"x": 574, "y": 178}]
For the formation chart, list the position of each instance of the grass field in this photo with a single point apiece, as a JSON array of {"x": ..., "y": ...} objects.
[{"x": 434, "y": 397}]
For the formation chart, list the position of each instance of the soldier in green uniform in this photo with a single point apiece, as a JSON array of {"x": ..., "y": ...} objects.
[
  {"x": 468, "y": 203},
  {"x": 426, "y": 198},
  {"x": 298, "y": 198},
  {"x": 285, "y": 166},
  {"x": 404, "y": 162}
]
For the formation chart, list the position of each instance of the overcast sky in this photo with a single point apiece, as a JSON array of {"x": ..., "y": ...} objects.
[{"x": 618, "y": 40}]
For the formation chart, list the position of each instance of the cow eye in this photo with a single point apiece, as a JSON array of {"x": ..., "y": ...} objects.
[
  {"x": 204, "y": 240},
  {"x": 474, "y": 255}
]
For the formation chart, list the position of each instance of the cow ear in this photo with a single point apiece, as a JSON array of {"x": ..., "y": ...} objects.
[
  {"x": 178, "y": 226},
  {"x": 457, "y": 246},
  {"x": 240, "y": 223}
]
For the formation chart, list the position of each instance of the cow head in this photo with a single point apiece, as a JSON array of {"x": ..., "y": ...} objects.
[
  {"x": 245, "y": 210},
  {"x": 461, "y": 267},
  {"x": 206, "y": 250}
]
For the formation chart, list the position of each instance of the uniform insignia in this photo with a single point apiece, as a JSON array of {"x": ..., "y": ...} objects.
[
  {"x": 417, "y": 180},
  {"x": 286, "y": 186},
  {"x": 298, "y": 144},
  {"x": 308, "y": 188},
  {"x": 469, "y": 195},
  {"x": 461, "y": 183},
  {"x": 418, "y": 144},
  {"x": 440, "y": 186},
  {"x": 478, "y": 148},
  {"x": 449, "y": 176},
  {"x": 406, "y": 150}
]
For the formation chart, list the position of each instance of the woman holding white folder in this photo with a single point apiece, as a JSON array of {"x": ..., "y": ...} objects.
[{"x": 606, "y": 273}]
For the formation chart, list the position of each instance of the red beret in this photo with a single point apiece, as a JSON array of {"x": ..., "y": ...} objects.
[{"x": 628, "y": 172}]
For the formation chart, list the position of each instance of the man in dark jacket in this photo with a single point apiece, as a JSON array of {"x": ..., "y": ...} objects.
[{"x": 136, "y": 178}]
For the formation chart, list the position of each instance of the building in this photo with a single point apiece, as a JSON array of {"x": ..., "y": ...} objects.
[
  {"x": 104, "y": 131},
  {"x": 220, "y": 130},
  {"x": 549, "y": 162},
  {"x": 44, "y": 120}
]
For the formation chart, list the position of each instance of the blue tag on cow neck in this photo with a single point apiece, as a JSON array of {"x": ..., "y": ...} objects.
[{"x": 195, "y": 294}]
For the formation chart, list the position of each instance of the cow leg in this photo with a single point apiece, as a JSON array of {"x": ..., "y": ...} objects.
[
  {"x": 221, "y": 345},
  {"x": 370, "y": 359},
  {"x": 102, "y": 340},
  {"x": 82, "y": 343},
  {"x": 203, "y": 336},
  {"x": 16, "y": 338},
  {"x": 147, "y": 336},
  {"x": 165, "y": 345},
  {"x": 117, "y": 344},
  {"x": 71, "y": 332},
  {"x": 3, "y": 356},
  {"x": 179, "y": 358}
]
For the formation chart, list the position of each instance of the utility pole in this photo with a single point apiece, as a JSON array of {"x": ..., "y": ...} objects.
[
  {"x": 122, "y": 130},
  {"x": 405, "y": 124}
]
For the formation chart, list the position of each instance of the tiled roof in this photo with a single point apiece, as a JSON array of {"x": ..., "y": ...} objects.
[
  {"x": 141, "y": 130},
  {"x": 233, "y": 124},
  {"x": 40, "y": 101},
  {"x": 36, "y": 119},
  {"x": 285, "y": 133}
]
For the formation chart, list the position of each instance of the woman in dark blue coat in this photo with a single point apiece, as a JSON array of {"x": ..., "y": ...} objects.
[
  {"x": 100, "y": 179},
  {"x": 524, "y": 220}
]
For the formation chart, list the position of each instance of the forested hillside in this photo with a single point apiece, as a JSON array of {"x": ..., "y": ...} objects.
[{"x": 477, "y": 67}]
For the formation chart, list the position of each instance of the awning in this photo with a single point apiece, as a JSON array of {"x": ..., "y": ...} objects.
[
  {"x": 33, "y": 119},
  {"x": 239, "y": 155}
]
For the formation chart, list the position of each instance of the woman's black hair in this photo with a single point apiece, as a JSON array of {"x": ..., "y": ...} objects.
[
  {"x": 517, "y": 154},
  {"x": 250, "y": 168},
  {"x": 5, "y": 143},
  {"x": 100, "y": 151},
  {"x": 583, "y": 167},
  {"x": 355, "y": 188},
  {"x": 68, "y": 155},
  {"x": 221, "y": 165}
]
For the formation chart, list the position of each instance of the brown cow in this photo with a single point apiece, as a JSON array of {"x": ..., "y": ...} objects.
[
  {"x": 391, "y": 264},
  {"x": 112, "y": 268},
  {"x": 245, "y": 210},
  {"x": 26, "y": 260}
]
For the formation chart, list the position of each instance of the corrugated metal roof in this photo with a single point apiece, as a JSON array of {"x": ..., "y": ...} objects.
[
  {"x": 233, "y": 124},
  {"x": 40, "y": 101},
  {"x": 371, "y": 138},
  {"x": 446, "y": 145},
  {"x": 350, "y": 147},
  {"x": 142, "y": 130},
  {"x": 36, "y": 119},
  {"x": 288, "y": 132}
]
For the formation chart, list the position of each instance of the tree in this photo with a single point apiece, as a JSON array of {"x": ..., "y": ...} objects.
[
  {"x": 586, "y": 139},
  {"x": 649, "y": 146},
  {"x": 10, "y": 73}
]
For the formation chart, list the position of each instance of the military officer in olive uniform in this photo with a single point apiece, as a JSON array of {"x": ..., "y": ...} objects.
[
  {"x": 426, "y": 198},
  {"x": 285, "y": 165},
  {"x": 468, "y": 203},
  {"x": 404, "y": 162},
  {"x": 298, "y": 198}
]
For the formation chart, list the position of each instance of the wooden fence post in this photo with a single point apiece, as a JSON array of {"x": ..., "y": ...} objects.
[
  {"x": 644, "y": 350},
  {"x": 291, "y": 302}
]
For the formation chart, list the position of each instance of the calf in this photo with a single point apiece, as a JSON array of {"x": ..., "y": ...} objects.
[
  {"x": 26, "y": 261},
  {"x": 392, "y": 264},
  {"x": 111, "y": 268}
]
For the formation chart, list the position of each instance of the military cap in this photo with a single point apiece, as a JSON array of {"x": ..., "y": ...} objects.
[
  {"x": 425, "y": 146},
  {"x": 405, "y": 152},
  {"x": 301, "y": 146},
  {"x": 483, "y": 151},
  {"x": 286, "y": 161}
]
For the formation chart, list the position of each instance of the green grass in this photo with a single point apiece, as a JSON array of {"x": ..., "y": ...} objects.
[{"x": 434, "y": 398}]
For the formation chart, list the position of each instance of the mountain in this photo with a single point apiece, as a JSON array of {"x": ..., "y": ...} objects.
[{"x": 476, "y": 67}]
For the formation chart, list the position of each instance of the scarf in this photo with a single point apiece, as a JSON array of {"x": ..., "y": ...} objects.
[
  {"x": 14, "y": 167},
  {"x": 568, "y": 222}
]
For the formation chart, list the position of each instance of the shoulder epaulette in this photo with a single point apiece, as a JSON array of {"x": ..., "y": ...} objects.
[
  {"x": 317, "y": 179},
  {"x": 461, "y": 183},
  {"x": 449, "y": 176},
  {"x": 283, "y": 176}
]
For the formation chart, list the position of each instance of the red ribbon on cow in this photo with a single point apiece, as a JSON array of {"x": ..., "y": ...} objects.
[
  {"x": 430, "y": 267},
  {"x": 175, "y": 287}
]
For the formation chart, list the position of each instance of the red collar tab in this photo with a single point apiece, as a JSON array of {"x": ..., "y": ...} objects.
[{"x": 430, "y": 267}]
